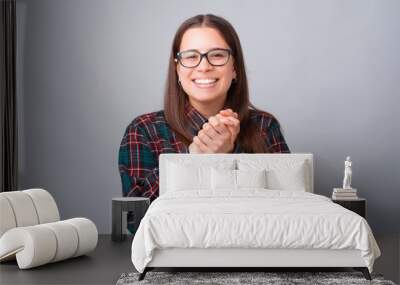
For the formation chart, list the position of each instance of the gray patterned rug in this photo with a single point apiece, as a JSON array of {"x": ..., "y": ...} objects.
[{"x": 270, "y": 278}]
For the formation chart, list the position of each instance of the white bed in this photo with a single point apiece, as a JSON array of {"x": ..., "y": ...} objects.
[{"x": 232, "y": 218}]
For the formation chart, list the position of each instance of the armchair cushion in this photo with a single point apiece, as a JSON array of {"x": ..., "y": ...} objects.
[
  {"x": 30, "y": 230},
  {"x": 40, "y": 244}
]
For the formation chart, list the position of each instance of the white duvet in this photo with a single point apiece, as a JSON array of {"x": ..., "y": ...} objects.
[{"x": 251, "y": 218}]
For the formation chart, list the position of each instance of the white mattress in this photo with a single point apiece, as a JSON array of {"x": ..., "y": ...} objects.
[{"x": 251, "y": 218}]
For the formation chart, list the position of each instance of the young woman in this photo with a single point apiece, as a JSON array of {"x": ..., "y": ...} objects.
[{"x": 206, "y": 108}]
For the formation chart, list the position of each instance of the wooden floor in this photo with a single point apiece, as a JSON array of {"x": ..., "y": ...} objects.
[{"x": 111, "y": 259}]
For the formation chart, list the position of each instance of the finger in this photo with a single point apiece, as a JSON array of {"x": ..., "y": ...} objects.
[
  {"x": 229, "y": 112},
  {"x": 233, "y": 127},
  {"x": 203, "y": 148},
  {"x": 217, "y": 135},
  {"x": 235, "y": 124},
  {"x": 232, "y": 124},
  {"x": 204, "y": 137},
  {"x": 234, "y": 115},
  {"x": 223, "y": 130},
  {"x": 218, "y": 125},
  {"x": 225, "y": 120},
  {"x": 217, "y": 138},
  {"x": 234, "y": 121},
  {"x": 213, "y": 120},
  {"x": 193, "y": 148},
  {"x": 209, "y": 129}
]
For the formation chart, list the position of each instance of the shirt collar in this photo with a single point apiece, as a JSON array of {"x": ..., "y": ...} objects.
[{"x": 195, "y": 118}]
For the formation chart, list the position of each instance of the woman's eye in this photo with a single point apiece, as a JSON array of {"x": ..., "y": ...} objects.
[
  {"x": 190, "y": 56},
  {"x": 217, "y": 55}
]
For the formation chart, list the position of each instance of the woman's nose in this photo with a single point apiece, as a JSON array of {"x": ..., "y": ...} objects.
[{"x": 204, "y": 65}]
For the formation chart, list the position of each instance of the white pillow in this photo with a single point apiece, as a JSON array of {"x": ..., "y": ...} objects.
[
  {"x": 281, "y": 174},
  {"x": 251, "y": 178},
  {"x": 236, "y": 179},
  {"x": 188, "y": 176},
  {"x": 223, "y": 179},
  {"x": 293, "y": 178}
]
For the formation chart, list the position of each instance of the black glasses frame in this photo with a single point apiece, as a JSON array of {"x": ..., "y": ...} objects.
[{"x": 179, "y": 56}]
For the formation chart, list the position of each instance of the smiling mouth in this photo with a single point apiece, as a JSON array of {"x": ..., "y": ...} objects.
[{"x": 205, "y": 83}]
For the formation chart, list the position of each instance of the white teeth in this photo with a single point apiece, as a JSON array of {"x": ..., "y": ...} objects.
[{"x": 205, "y": 81}]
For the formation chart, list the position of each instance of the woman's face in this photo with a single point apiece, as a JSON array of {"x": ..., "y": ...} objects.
[{"x": 202, "y": 93}]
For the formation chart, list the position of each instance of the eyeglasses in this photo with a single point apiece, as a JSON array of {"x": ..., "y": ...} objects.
[{"x": 192, "y": 58}]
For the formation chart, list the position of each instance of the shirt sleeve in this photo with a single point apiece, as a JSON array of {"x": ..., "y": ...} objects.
[
  {"x": 138, "y": 164},
  {"x": 275, "y": 141}
]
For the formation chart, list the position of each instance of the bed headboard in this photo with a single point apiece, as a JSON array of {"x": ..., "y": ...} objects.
[{"x": 203, "y": 159}]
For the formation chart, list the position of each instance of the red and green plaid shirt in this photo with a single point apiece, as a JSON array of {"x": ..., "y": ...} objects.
[{"x": 149, "y": 135}]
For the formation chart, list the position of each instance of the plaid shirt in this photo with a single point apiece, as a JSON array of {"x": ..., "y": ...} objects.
[{"x": 149, "y": 135}]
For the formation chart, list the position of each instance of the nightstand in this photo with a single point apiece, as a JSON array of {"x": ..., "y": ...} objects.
[{"x": 358, "y": 206}]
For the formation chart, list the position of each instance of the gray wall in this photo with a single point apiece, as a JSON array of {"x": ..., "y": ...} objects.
[{"x": 329, "y": 70}]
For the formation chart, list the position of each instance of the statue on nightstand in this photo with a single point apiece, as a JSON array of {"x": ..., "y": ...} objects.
[
  {"x": 347, "y": 192},
  {"x": 347, "y": 174}
]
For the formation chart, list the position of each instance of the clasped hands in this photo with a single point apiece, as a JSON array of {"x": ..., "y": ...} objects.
[{"x": 218, "y": 135}]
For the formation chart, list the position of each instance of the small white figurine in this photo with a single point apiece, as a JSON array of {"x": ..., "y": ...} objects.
[{"x": 347, "y": 174}]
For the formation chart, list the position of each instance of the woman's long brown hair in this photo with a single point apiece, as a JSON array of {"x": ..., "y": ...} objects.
[{"x": 249, "y": 137}]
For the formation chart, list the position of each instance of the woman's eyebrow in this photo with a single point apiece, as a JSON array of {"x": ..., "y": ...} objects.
[{"x": 206, "y": 50}]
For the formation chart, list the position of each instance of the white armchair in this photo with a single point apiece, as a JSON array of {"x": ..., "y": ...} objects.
[{"x": 32, "y": 233}]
